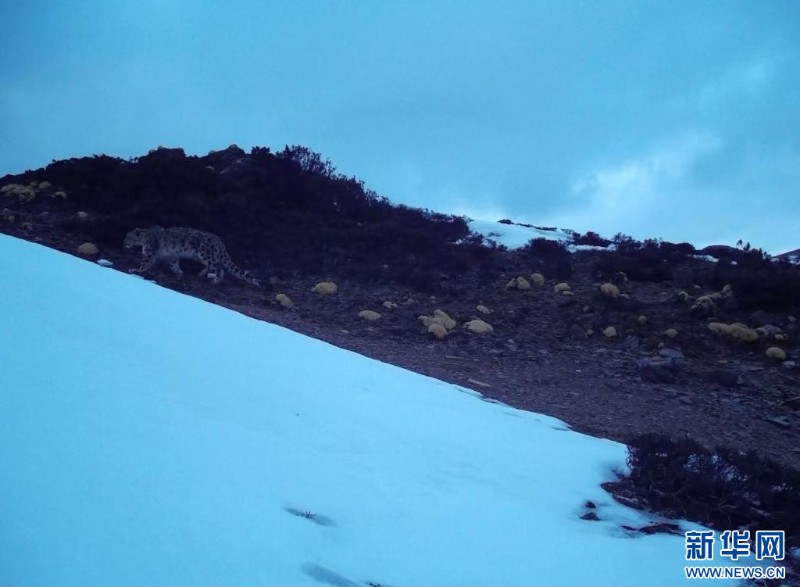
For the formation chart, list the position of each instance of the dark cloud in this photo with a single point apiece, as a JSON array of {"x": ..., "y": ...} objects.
[{"x": 606, "y": 116}]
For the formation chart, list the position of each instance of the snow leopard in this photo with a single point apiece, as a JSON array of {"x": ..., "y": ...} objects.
[{"x": 170, "y": 245}]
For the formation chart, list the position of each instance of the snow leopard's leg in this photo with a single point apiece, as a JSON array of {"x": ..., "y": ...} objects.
[
  {"x": 148, "y": 260},
  {"x": 174, "y": 266},
  {"x": 215, "y": 272}
]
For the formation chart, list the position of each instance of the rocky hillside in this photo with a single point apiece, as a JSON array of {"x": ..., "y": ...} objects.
[{"x": 614, "y": 336}]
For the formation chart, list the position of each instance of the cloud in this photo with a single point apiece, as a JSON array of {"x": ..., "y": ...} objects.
[
  {"x": 640, "y": 194},
  {"x": 615, "y": 116}
]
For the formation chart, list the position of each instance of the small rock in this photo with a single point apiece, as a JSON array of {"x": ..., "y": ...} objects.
[
  {"x": 776, "y": 353},
  {"x": 657, "y": 370},
  {"x": 370, "y": 315},
  {"x": 88, "y": 250},
  {"x": 670, "y": 353},
  {"x": 590, "y": 516},
  {"x": 789, "y": 364},
  {"x": 577, "y": 332},
  {"x": 445, "y": 319},
  {"x": 779, "y": 420},
  {"x": 478, "y": 326},
  {"x": 105, "y": 263},
  {"x": 284, "y": 300},
  {"x": 325, "y": 288},
  {"x": 537, "y": 279},
  {"x": 589, "y": 504},
  {"x": 437, "y": 331}
]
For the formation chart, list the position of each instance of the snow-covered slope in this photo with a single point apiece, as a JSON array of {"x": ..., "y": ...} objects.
[
  {"x": 152, "y": 438},
  {"x": 514, "y": 236}
]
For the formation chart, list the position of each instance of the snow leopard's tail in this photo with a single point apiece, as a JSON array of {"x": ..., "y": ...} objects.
[{"x": 230, "y": 267}]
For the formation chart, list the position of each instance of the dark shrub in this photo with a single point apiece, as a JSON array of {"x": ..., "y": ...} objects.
[
  {"x": 651, "y": 260},
  {"x": 550, "y": 257},
  {"x": 591, "y": 239},
  {"x": 720, "y": 488},
  {"x": 289, "y": 211}
]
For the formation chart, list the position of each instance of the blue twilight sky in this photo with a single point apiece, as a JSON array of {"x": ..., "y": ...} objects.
[{"x": 678, "y": 119}]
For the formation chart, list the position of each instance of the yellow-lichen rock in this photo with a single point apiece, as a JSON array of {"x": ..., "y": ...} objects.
[
  {"x": 88, "y": 250},
  {"x": 718, "y": 327},
  {"x": 428, "y": 320},
  {"x": 437, "y": 331},
  {"x": 478, "y": 326},
  {"x": 609, "y": 290},
  {"x": 737, "y": 331},
  {"x": 706, "y": 303},
  {"x": 537, "y": 279},
  {"x": 389, "y": 305},
  {"x": 561, "y": 287},
  {"x": 518, "y": 283},
  {"x": 671, "y": 332},
  {"x": 743, "y": 333},
  {"x": 284, "y": 300},
  {"x": 82, "y": 216},
  {"x": 23, "y": 192},
  {"x": 445, "y": 318},
  {"x": 325, "y": 288},
  {"x": 483, "y": 309},
  {"x": 370, "y": 315},
  {"x": 776, "y": 353},
  {"x": 642, "y": 319},
  {"x": 610, "y": 332}
]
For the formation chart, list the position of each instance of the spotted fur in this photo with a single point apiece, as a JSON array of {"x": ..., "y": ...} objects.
[{"x": 170, "y": 245}]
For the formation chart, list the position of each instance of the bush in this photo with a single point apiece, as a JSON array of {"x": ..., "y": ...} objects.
[
  {"x": 774, "y": 287},
  {"x": 591, "y": 239},
  {"x": 550, "y": 257},
  {"x": 289, "y": 211},
  {"x": 651, "y": 260},
  {"x": 720, "y": 488}
]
